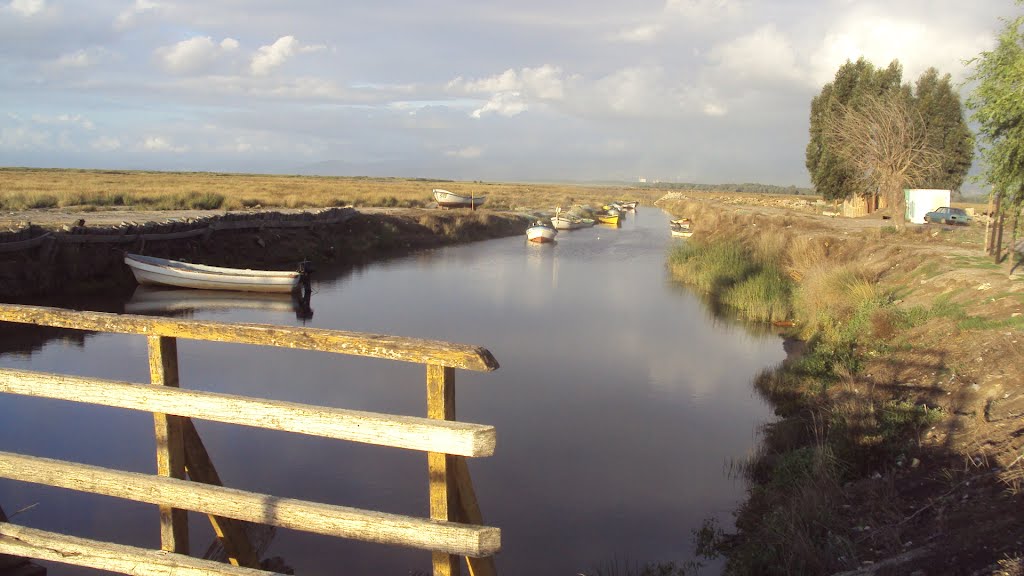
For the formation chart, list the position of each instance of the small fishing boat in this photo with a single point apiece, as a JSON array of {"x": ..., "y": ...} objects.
[
  {"x": 163, "y": 272},
  {"x": 446, "y": 199},
  {"x": 681, "y": 228},
  {"x": 681, "y": 232},
  {"x": 541, "y": 233},
  {"x": 630, "y": 205}
]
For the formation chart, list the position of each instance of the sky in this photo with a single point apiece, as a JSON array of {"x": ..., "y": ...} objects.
[{"x": 706, "y": 91}]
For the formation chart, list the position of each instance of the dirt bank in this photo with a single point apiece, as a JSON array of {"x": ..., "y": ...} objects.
[
  {"x": 55, "y": 252},
  {"x": 905, "y": 455}
]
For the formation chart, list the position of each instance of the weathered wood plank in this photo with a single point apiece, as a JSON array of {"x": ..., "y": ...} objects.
[
  {"x": 24, "y": 244},
  {"x": 443, "y": 491},
  {"x": 231, "y": 534},
  {"x": 327, "y": 519},
  {"x": 469, "y": 512},
  {"x": 170, "y": 443},
  {"x": 336, "y": 341},
  {"x": 461, "y": 438},
  {"x": 119, "y": 558}
]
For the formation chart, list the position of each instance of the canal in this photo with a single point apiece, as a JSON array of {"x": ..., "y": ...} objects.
[{"x": 620, "y": 404}]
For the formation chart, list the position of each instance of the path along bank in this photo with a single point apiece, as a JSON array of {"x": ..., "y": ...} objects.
[
  {"x": 45, "y": 255},
  {"x": 899, "y": 444}
]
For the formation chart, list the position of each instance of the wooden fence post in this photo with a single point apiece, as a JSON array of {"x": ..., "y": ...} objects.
[
  {"x": 170, "y": 445},
  {"x": 443, "y": 487}
]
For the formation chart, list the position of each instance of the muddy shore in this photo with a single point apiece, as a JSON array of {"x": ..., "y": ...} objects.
[{"x": 58, "y": 253}]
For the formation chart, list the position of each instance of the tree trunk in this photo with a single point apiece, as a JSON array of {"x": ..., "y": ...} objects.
[
  {"x": 999, "y": 237},
  {"x": 995, "y": 219},
  {"x": 988, "y": 223}
]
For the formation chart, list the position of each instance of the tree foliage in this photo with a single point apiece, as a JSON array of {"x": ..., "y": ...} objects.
[
  {"x": 998, "y": 106},
  {"x": 885, "y": 142},
  {"x": 932, "y": 102}
]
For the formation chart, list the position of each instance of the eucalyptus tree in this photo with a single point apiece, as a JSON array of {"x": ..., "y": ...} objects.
[
  {"x": 998, "y": 105},
  {"x": 838, "y": 169}
]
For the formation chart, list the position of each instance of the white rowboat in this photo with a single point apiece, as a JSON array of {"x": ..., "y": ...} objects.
[
  {"x": 541, "y": 233},
  {"x": 446, "y": 199},
  {"x": 163, "y": 272}
]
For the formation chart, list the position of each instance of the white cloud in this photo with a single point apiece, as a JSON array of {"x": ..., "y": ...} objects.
[
  {"x": 765, "y": 54},
  {"x": 713, "y": 109},
  {"x": 269, "y": 57},
  {"x": 27, "y": 8},
  {"x": 77, "y": 59},
  {"x": 105, "y": 144},
  {"x": 469, "y": 152},
  {"x": 640, "y": 34},
  {"x": 703, "y": 12},
  {"x": 504, "y": 104},
  {"x": 160, "y": 144},
  {"x": 544, "y": 82},
  {"x": 128, "y": 17},
  {"x": 195, "y": 55},
  {"x": 881, "y": 38},
  {"x": 64, "y": 120}
]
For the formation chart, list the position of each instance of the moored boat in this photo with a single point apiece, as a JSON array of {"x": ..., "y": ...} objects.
[
  {"x": 609, "y": 218},
  {"x": 446, "y": 199},
  {"x": 163, "y": 272},
  {"x": 681, "y": 232},
  {"x": 541, "y": 233}
]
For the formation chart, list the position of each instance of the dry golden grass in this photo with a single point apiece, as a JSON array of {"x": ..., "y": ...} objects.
[{"x": 23, "y": 188}]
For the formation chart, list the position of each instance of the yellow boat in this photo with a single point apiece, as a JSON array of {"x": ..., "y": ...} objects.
[{"x": 608, "y": 218}]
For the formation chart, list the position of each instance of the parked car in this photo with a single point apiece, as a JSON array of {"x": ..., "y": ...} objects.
[{"x": 947, "y": 215}]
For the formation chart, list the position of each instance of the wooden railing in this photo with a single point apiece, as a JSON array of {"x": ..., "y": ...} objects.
[{"x": 187, "y": 480}]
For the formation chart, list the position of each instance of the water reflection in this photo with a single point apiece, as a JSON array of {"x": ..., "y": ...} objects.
[{"x": 618, "y": 400}]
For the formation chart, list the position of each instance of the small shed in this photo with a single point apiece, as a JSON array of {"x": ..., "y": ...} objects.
[{"x": 920, "y": 201}]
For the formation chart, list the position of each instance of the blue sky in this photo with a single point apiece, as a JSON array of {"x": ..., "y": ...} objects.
[{"x": 683, "y": 90}]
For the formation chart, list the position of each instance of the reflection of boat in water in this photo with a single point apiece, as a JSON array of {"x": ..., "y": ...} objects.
[
  {"x": 175, "y": 301},
  {"x": 151, "y": 270}
]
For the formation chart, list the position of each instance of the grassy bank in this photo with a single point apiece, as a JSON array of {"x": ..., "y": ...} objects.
[
  {"x": 887, "y": 400},
  {"x": 85, "y": 190}
]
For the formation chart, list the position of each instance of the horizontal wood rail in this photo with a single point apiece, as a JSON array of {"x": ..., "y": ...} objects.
[
  {"x": 340, "y": 521},
  {"x": 186, "y": 479},
  {"x": 459, "y": 438},
  {"x": 337, "y": 341}
]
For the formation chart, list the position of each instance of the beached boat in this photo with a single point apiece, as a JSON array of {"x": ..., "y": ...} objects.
[
  {"x": 541, "y": 232},
  {"x": 446, "y": 199},
  {"x": 163, "y": 272},
  {"x": 681, "y": 232}
]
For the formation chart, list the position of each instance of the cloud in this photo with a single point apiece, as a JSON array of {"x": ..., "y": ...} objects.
[
  {"x": 511, "y": 92},
  {"x": 160, "y": 144},
  {"x": 64, "y": 120},
  {"x": 195, "y": 55},
  {"x": 77, "y": 59},
  {"x": 882, "y": 38},
  {"x": 105, "y": 144},
  {"x": 503, "y": 104},
  {"x": 270, "y": 57},
  {"x": 703, "y": 12},
  {"x": 640, "y": 34},
  {"x": 27, "y": 8},
  {"x": 469, "y": 152},
  {"x": 765, "y": 54},
  {"x": 128, "y": 17}
]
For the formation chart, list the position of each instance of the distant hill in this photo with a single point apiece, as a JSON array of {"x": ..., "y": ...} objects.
[{"x": 745, "y": 188}]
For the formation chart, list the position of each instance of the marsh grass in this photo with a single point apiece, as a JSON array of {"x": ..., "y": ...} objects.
[
  {"x": 25, "y": 188},
  {"x": 734, "y": 276}
]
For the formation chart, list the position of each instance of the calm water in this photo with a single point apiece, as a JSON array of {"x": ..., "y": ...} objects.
[{"x": 619, "y": 403}]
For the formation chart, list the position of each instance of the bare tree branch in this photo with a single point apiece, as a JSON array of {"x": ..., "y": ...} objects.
[{"x": 885, "y": 142}]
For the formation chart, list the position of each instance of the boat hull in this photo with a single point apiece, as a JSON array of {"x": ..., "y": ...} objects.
[
  {"x": 162, "y": 272},
  {"x": 678, "y": 233},
  {"x": 541, "y": 234},
  {"x": 446, "y": 199}
]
